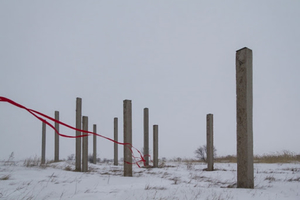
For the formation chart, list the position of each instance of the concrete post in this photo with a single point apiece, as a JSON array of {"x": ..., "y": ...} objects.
[
  {"x": 146, "y": 135},
  {"x": 78, "y": 133},
  {"x": 244, "y": 108},
  {"x": 127, "y": 121},
  {"x": 43, "y": 143},
  {"x": 56, "y": 137},
  {"x": 85, "y": 145},
  {"x": 209, "y": 142},
  {"x": 155, "y": 145},
  {"x": 95, "y": 144},
  {"x": 115, "y": 139}
]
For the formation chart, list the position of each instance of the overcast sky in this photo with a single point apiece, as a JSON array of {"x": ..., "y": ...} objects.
[{"x": 175, "y": 57}]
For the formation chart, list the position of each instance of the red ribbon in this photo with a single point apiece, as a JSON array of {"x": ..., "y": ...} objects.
[{"x": 39, "y": 116}]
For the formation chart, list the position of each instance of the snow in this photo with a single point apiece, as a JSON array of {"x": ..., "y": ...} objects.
[{"x": 177, "y": 180}]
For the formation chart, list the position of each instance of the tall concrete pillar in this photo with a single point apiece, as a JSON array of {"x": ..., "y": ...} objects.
[
  {"x": 43, "y": 159},
  {"x": 95, "y": 144},
  {"x": 85, "y": 145},
  {"x": 155, "y": 145},
  {"x": 56, "y": 137},
  {"x": 127, "y": 121},
  {"x": 78, "y": 133},
  {"x": 115, "y": 139},
  {"x": 146, "y": 135},
  {"x": 209, "y": 142},
  {"x": 244, "y": 107}
]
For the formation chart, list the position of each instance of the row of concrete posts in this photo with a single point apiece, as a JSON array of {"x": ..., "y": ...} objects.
[
  {"x": 81, "y": 144},
  {"x": 56, "y": 140},
  {"x": 82, "y": 124},
  {"x": 244, "y": 119},
  {"x": 127, "y": 122}
]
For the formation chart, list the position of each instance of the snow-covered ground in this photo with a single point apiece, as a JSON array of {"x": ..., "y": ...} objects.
[{"x": 184, "y": 180}]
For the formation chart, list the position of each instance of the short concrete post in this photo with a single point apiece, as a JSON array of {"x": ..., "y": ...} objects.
[
  {"x": 155, "y": 145},
  {"x": 43, "y": 159},
  {"x": 146, "y": 135},
  {"x": 115, "y": 139},
  {"x": 85, "y": 145},
  {"x": 95, "y": 144},
  {"x": 78, "y": 133},
  {"x": 127, "y": 121},
  {"x": 56, "y": 137},
  {"x": 209, "y": 142},
  {"x": 244, "y": 108}
]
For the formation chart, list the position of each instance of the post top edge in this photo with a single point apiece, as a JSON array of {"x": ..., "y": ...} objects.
[{"x": 243, "y": 49}]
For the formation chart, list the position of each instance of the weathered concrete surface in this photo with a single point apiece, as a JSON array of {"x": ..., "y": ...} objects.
[
  {"x": 116, "y": 139},
  {"x": 85, "y": 145},
  {"x": 78, "y": 133},
  {"x": 127, "y": 121},
  {"x": 244, "y": 103},
  {"x": 209, "y": 142},
  {"x": 155, "y": 145},
  {"x": 94, "y": 144},
  {"x": 43, "y": 159},
  {"x": 56, "y": 137},
  {"x": 146, "y": 135}
]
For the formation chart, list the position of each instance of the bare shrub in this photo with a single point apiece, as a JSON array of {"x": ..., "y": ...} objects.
[{"x": 201, "y": 153}]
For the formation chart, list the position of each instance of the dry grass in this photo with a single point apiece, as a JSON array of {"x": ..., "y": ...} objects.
[
  {"x": 175, "y": 179},
  {"x": 270, "y": 179},
  {"x": 68, "y": 168},
  {"x": 278, "y": 157},
  {"x": 226, "y": 159},
  {"x": 32, "y": 162},
  {"x": 148, "y": 187},
  {"x": 5, "y": 177},
  {"x": 10, "y": 161},
  {"x": 294, "y": 179}
]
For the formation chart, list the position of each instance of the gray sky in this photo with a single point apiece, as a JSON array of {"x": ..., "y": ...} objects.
[{"x": 175, "y": 57}]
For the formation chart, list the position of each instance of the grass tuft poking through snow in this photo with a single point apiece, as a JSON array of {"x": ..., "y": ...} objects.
[
  {"x": 5, "y": 177},
  {"x": 32, "y": 162}
]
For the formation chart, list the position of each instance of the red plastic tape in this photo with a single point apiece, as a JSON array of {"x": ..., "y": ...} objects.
[{"x": 42, "y": 117}]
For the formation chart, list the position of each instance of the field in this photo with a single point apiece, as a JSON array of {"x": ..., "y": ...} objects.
[{"x": 174, "y": 180}]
